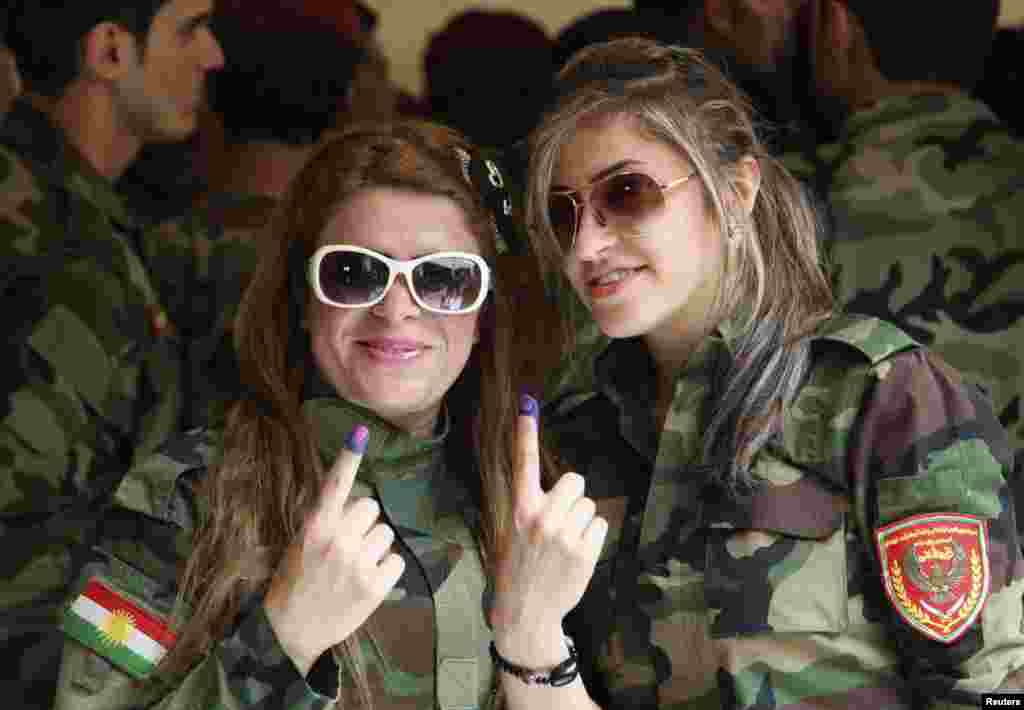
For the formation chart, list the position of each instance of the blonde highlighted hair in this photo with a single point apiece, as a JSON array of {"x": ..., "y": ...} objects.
[{"x": 774, "y": 282}]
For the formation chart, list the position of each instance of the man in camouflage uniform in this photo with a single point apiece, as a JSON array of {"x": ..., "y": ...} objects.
[
  {"x": 876, "y": 565},
  {"x": 925, "y": 185},
  {"x": 94, "y": 373}
]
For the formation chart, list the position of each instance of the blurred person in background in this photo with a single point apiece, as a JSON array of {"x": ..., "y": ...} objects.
[
  {"x": 923, "y": 182},
  {"x": 488, "y": 75}
]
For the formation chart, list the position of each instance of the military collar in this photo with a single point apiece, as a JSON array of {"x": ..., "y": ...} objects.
[
  {"x": 29, "y": 131},
  {"x": 391, "y": 453}
]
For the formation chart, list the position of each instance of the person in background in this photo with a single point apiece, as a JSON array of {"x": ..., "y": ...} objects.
[
  {"x": 272, "y": 109},
  {"x": 757, "y": 44},
  {"x": 923, "y": 184},
  {"x": 1000, "y": 84},
  {"x": 330, "y": 543},
  {"x": 499, "y": 106},
  {"x": 805, "y": 508},
  {"x": 95, "y": 372},
  {"x": 600, "y": 26},
  {"x": 275, "y": 107}
]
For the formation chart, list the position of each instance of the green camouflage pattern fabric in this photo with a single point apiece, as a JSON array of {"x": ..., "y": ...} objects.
[
  {"x": 704, "y": 600},
  {"x": 424, "y": 648},
  {"x": 234, "y": 222},
  {"x": 926, "y": 195},
  {"x": 96, "y": 375}
]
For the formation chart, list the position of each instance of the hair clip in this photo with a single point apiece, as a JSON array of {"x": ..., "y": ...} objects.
[{"x": 486, "y": 177}]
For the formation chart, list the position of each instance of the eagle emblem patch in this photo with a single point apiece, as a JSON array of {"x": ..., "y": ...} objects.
[{"x": 936, "y": 571}]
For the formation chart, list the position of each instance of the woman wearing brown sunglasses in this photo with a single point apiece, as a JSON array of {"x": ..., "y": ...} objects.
[{"x": 805, "y": 508}]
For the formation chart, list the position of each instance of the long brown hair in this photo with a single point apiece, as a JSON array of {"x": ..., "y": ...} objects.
[
  {"x": 773, "y": 273},
  {"x": 270, "y": 476}
]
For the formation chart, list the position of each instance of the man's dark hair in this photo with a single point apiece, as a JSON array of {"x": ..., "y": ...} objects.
[
  {"x": 602, "y": 26},
  {"x": 488, "y": 74},
  {"x": 925, "y": 40},
  {"x": 285, "y": 86},
  {"x": 46, "y": 35},
  {"x": 1003, "y": 83}
]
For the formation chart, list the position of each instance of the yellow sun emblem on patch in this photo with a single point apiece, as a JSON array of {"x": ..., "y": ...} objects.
[{"x": 118, "y": 628}]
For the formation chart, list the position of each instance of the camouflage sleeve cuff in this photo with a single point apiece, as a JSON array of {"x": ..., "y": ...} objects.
[{"x": 259, "y": 672}]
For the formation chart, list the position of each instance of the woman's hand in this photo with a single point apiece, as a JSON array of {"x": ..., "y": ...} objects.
[
  {"x": 547, "y": 558},
  {"x": 338, "y": 571}
]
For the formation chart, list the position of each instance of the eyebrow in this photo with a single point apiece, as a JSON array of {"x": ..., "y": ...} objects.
[
  {"x": 604, "y": 172},
  {"x": 196, "y": 21}
]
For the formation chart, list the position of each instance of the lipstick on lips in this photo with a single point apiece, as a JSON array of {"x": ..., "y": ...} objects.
[
  {"x": 600, "y": 290},
  {"x": 393, "y": 349}
]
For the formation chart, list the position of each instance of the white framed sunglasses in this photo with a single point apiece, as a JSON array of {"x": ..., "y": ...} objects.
[{"x": 447, "y": 282}]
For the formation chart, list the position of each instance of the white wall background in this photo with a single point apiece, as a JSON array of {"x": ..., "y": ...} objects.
[{"x": 406, "y": 25}]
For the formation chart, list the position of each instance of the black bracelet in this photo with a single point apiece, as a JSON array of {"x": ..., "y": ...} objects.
[{"x": 562, "y": 674}]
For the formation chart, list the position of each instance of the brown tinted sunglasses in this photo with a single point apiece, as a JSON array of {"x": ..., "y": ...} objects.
[{"x": 623, "y": 197}]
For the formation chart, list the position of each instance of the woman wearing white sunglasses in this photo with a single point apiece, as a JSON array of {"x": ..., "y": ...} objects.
[
  {"x": 331, "y": 541},
  {"x": 805, "y": 510}
]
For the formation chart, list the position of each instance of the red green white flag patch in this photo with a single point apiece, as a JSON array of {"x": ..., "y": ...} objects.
[{"x": 118, "y": 629}]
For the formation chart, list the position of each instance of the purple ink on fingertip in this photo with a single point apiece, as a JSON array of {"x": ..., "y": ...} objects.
[
  {"x": 357, "y": 439},
  {"x": 528, "y": 405}
]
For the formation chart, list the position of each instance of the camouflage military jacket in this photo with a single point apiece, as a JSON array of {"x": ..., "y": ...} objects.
[
  {"x": 837, "y": 583},
  {"x": 927, "y": 198},
  {"x": 95, "y": 373},
  {"x": 235, "y": 221},
  {"x": 425, "y": 647}
]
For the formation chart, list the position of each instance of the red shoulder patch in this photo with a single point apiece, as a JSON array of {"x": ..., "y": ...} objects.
[{"x": 936, "y": 571}]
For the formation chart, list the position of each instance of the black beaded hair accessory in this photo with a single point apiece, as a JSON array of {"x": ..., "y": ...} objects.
[{"x": 485, "y": 175}]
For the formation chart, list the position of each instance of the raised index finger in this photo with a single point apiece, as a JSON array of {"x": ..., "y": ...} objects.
[
  {"x": 528, "y": 492},
  {"x": 343, "y": 472}
]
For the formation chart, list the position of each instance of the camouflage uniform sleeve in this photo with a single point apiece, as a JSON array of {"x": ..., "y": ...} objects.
[
  {"x": 122, "y": 616},
  {"x": 929, "y": 463},
  {"x": 247, "y": 669},
  {"x": 55, "y": 453}
]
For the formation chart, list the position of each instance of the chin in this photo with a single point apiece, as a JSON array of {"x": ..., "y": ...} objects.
[
  {"x": 392, "y": 401},
  {"x": 619, "y": 327}
]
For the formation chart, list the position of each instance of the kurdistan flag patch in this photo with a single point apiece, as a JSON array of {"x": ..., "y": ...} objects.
[{"x": 118, "y": 629}]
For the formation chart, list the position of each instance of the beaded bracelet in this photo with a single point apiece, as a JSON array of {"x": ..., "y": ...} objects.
[{"x": 562, "y": 674}]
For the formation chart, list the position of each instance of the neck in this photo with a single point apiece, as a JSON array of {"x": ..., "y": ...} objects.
[
  {"x": 419, "y": 425},
  {"x": 261, "y": 168},
  {"x": 89, "y": 123},
  {"x": 671, "y": 352}
]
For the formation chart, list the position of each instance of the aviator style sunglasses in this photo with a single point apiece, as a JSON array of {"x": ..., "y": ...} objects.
[
  {"x": 448, "y": 282},
  {"x": 623, "y": 197}
]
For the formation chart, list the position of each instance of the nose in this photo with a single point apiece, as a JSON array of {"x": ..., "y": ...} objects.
[
  {"x": 592, "y": 234},
  {"x": 213, "y": 53},
  {"x": 398, "y": 303}
]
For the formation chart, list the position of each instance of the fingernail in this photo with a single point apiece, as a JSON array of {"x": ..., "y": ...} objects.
[
  {"x": 527, "y": 405},
  {"x": 357, "y": 439}
]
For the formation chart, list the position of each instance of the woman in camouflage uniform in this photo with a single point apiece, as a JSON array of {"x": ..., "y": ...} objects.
[
  {"x": 805, "y": 509},
  {"x": 329, "y": 541}
]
